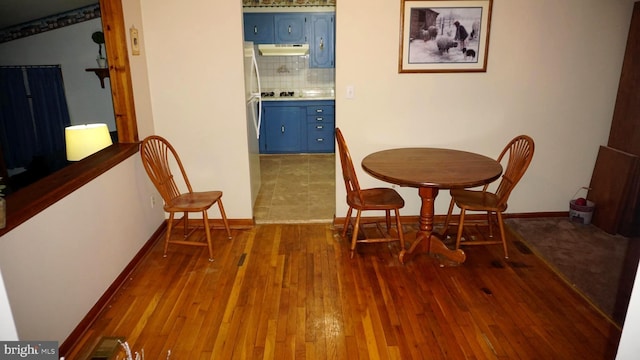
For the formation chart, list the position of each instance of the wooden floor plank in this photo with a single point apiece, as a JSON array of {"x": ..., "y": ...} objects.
[{"x": 291, "y": 291}]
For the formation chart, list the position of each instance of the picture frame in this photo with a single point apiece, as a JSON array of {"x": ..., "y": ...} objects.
[{"x": 440, "y": 36}]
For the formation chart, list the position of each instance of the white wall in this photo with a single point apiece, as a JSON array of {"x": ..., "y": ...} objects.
[
  {"x": 58, "y": 264},
  {"x": 73, "y": 49},
  {"x": 194, "y": 51},
  {"x": 629, "y": 346},
  {"x": 139, "y": 75},
  {"x": 8, "y": 330},
  {"x": 553, "y": 71}
]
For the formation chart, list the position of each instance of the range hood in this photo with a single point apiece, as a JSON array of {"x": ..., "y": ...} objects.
[{"x": 283, "y": 49}]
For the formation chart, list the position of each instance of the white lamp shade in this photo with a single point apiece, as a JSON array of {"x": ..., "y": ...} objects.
[{"x": 84, "y": 140}]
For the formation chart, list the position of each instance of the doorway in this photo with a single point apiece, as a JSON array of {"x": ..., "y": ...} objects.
[{"x": 296, "y": 187}]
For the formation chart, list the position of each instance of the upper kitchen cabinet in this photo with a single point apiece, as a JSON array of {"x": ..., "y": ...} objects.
[
  {"x": 259, "y": 28},
  {"x": 321, "y": 40},
  {"x": 290, "y": 28},
  {"x": 275, "y": 28}
]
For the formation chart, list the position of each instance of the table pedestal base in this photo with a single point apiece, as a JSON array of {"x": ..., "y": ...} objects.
[{"x": 435, "y": 246}]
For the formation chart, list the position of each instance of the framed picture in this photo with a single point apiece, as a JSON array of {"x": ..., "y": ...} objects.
[{"x": 444, "y": 35}]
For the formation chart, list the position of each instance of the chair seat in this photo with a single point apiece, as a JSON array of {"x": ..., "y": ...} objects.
[
  {"x": 477, "y": 200},
  {"x": 377, "y": 199},
  {"x": 196, "y": 201}
]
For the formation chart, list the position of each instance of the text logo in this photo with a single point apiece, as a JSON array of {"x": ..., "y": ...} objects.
[{"x": 32, "y": 350}]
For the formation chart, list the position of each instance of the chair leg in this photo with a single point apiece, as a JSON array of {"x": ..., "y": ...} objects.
[
  {"x": 387, "y": 219},
  {"x": 490, "y": 224},
  {"x": 400, "y": 230},
  {"x": 168, "y": 235},
  {"x": 460, "y": 229},
  {"x": 354, "y": 237},
  {"x": 448, "y": 218},
  {"x": 224, "y": 218},
  {"x": 185, "y": 224},
  {"x": 347, "y": 220},
  {"x": 504, "y": 238},
  {"x": 207, "y": 231}
]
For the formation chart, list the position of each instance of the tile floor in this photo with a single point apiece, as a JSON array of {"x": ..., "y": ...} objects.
[{"x": 296, "y": 188}]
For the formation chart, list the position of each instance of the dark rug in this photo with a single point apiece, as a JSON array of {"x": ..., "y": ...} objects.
[{"x": 588, "y": 258}]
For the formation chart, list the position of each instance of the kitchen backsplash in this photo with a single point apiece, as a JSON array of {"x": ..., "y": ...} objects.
[
  {"x": 288, "y": 2},
  {"x": 293, "y": 72}
]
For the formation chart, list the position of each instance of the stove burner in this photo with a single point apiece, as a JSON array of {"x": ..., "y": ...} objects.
[
  {"x": 286, "y": 93},
  {"x": 267, "y": 94}
]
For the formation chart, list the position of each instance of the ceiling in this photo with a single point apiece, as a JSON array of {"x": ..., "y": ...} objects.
[{"x": 16, "y": 12}]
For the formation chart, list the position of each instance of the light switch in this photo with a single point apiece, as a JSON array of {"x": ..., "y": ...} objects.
[
  {"x": 351, "y": 92},
  {"x": 135, "y": 41}
]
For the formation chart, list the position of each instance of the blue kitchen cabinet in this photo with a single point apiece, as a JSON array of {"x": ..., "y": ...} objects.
[
  {"x": 321, "y": 40},
  {"x": 316, "y": 29},
  {"x": 320, "y": 127},
  {"x": 275, "y": 28},
  {"x": 259, "y": 28},
  {"x": 297, "y": 127},
  {"x": 290, "y": 28},
  {"x": 282, "y": 129}
]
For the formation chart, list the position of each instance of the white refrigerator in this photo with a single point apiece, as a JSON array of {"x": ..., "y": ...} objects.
[{"x": 253, "y": 99}]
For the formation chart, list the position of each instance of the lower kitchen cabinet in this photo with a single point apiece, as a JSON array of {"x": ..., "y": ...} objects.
[
  {"x": 320, "y": 127},
  {"x": 297, "y": 127},
  {"x": 283, "y": 131}
]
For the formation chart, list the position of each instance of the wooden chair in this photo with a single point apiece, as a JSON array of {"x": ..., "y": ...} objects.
[
  {"x": 386, "y": 199},
  {"x": 519, "y": 153},
  {"x": 158, "y": 156}
]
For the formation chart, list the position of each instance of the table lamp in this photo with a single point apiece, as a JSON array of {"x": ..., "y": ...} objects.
[{"x": 84, "y": 140}]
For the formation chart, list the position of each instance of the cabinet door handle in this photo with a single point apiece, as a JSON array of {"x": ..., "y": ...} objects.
[
  {"x": 255, "y": 30},
  {"x": 282, "y": 129},
  {"x": 319, "y": 127},
  {"x": 319, "y": 111},
  {"x": 289, "y": 29},
  {"x": 321, "y": 43},
  {"x": 319, "y": 139},
  {"x": 319, "y": 118}
]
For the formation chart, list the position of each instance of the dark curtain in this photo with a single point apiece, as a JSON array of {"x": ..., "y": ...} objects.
[
  {"x": 36, "y": 129},
  {"x": 16, "y": 126},
  {"x": 49, "y": 108}
]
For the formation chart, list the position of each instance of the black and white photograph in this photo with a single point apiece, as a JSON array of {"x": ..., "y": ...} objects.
[{"x": 444, "y": 36}]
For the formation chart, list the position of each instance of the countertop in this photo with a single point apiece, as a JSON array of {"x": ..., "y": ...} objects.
[{"x": 302, "y": 95}]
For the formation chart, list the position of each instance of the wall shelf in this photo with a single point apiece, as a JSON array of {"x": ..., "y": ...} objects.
[{"x": 101, "y": 73}]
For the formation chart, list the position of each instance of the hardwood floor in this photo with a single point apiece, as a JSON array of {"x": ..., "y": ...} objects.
[{"x": 290, "y": 291}]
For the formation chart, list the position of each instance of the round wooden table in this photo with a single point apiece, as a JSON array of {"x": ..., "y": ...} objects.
[{"x": 429, "y": 170}]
